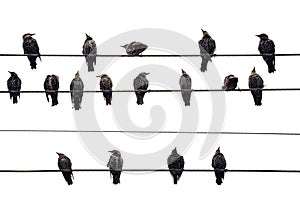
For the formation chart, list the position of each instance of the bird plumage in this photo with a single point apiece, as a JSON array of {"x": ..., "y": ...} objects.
[
  {"x": 256, "y": 83},
  {"x": 219, "y": 165},
  {"x": 140, "y": 83},
  {"x": 30, "y": 46},
  {"x": 135, "y": 48},
  {"x": 76, "y": 88},
  {"x": 176, "y": 165},
  {"x": 89, "y": 49},
  {"x": 207, "y": 47},
  {"x": 185, "y": 83},
  {"x": 267, "y": 46},
  {"x": 65, "y": 166},
  {"x": 106, "y": 85},
  {"x": 115, "y": 164},
  {"x": 230, "y": 82},
  {"x": 14, "y": 86},
  {"x": 51, "y": 86}
]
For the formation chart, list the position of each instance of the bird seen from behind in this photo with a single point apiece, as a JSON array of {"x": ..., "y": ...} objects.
[
  {"x": 115, "y": 164},
  {"x": 140, "y": 83},
  {"x": 219, "y": 165},
  {"x": 207, "y": 47},
  {"x": 230, "y": 83},
  {"x": 176, "y": 165}
]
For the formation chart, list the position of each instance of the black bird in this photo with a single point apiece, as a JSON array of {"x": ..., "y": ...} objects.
[
  {"x": 257, "y": 83},
  {"x": 106, "y": 86},
  {"x": 89, "y": 49},
  {"x": 219, "y": 165},
  {"x": 267, "y": 46},
  {"x": 51, "y": 86},
  {"x": 115, "y": 165},
  {"x": 135, "y": 48},
  {"x": 207, "y": 47},
  {"x": 76, "y": 88},
  {"x": 30, "y": 46},
  {"x": 230, "y": 82},
  {"x": 185, "y": 83},
  {"x": 176, "y": 165},
  {"x": 140, "y": 83},
  {"x": 14, "y": 86},
  {"x": 65, "y": 166}
]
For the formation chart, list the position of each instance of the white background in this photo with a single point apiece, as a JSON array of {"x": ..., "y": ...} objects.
[{"x": 60, "y": 28}]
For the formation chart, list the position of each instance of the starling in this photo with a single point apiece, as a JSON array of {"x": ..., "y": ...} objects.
[
  {"x": 207, "y": 47},
  {"x": 185, "y": 83},
  {"x": 230, "y": 82},
  {"x": 76, "y": 88},
  {"x": 135, "y": 48},
  {"x": 89, "y": 49},
  {"x": 31, "y": 46},
  {"x": 219, "y": 165},
  {"x": 106, "y": 86},
  {"x": 176, "y": 165},
  {"x": 267, "y": 46},
  {"x": 256, "y": 83},
  {"x": 115, "y": 165},
  {"x": 14, "y": 86},
  {"x": 140, "y": 83},
  {"x": 51, "y": 86},
  {"x": 65, "y": 166}
]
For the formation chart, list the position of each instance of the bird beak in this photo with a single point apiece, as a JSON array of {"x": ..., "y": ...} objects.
[
  {"x": 257, "y": 35},
  {"x": 58, "y": 153},
  {"x": 123, "y": 46},
  {"x": 147, "y": 73}
]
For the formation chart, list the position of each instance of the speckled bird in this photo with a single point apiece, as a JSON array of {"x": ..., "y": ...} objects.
[
  {"x": 256, "y": 83},
  {"x": 14, "y": 86},
  {"x": 106, "y": 86},
  {"x": 89, "y": 49},
  {"x": 185, "y": 83},
  {"x": 135, "y": 48},
  {"x": 115, "y": 164},
  {"x": 219, "y": 165},
  {"x": 30, "y": 46},
  {"x": 140, "y": 83},
  {"x": 230, "y": 82},
  {"x": 65, "y": 166},
  {"x": 51, "y": 86},
  {"x": 207, "y": 47},
  {"x": 267, "y": 46},
  {"x": 76, "y": 88},
  {"x": 176, "y": 165}
]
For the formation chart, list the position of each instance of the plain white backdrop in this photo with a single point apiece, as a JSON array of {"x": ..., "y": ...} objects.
[{"x": 60, "y": 28}]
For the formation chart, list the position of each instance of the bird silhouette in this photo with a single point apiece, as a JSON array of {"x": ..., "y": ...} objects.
[
  {"x": 65, "y": 166},
  {"x": 267, "y": 46},
  {"x": 115, "y": 164},
  {"x": 51, "y": 86},
  {"x": 30, "y": 46},
  {"x": 176, "y": 165},
  {"x": 256, "y": 83},
  {"x": 185, "y": 83},
  {"x": 140, "y": 83},
  {"x": 207, "y": 47},
  {"x": 230, "y": 82},
  {"x": 135, "y": 48},
  {"x": 14, "y": 86},
  {"x": 219, "y": 165},
  {"x": 89, "y": 49},
  {"x": 106, "y": 86}
]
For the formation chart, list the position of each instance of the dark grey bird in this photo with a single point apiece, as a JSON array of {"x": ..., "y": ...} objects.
[
  {"x": 135, "y": 48},
  {"x": 140, "y": 83},
  {"x": 89, "y": 49},
  {"x": 51, "y": 86},
  {"x": 176, "y": 165},
  {"x": 185, "y": 83},
  {"x": 230, "y": 82},
  {"x": 65, "y": 166},
  {"x": 207, "y": 47},
  {"x": 14, "y": 86},
  {"x": 76, "y": 88},
  {"x": 106, "y": 86},
  {"x": 115, "y": 164},
  {"x": 256, "y": 83},
  {"x": 219, "y": 165},
  {"x": 30, "y": 46},
  {"x": 267, "y": 46}
]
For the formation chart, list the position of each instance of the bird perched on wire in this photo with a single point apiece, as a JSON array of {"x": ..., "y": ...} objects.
[
  {"x": 176, "y": 165},
  {"x": 14, "y": 86},
  {"x": 219, "y": 165},
  {"x": 76, "y": 88},
  {"x": 135, "y": 48},
  {"x": 207, "y": 47},
  {"x": 140, "y": 83},
  {"x": 65, "y": 166},
  {"x": 106, "y": 86},
  {"x": 256, "y": 83},
  {"x": 267, "y": 46},
  {"x": 230, "y": 82},
  {"x": 115, "y": 165},
  {"x": 89, "y": 49},
  {"x": 30, "y": 46},
  {"x": 185, "y": 83},
  {"x": 51, "y": 86}
]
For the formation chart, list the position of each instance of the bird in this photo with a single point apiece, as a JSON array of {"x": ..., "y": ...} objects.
[
  {"x": 219, "y": 165},
  {"x": 230, "y": 82},
  {"x": 115, "y": 164},
  {"x": 176, "y": 165},
  {"x": 185, "y": 83},
  {"x": 14, "y": 86},
  {"x": 140, "y": 83},
  {"x": 207, "y": 47},
  {"x": 256, "y": 83},
  {"x": 65, "y": 166},
  {"x": 89, "y": 49},
  {"x": 267, "y": 46},
  {"x": 76, "y": 88},
  {"x": 30, "y": 46},
  {"x": 106, "y": 86},
  {"x": 51, "y": 86},
  {"x": 135, "y": 48}
]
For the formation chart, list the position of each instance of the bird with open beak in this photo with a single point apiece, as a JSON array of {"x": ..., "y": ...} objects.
[
  {"x": 65, "y": 166},
  {"x": 30, "y": 46},
  {"x": 135, "y": 48},
  {"x": 115, "y": 164},
  {"x": 207, "y": 47},
  {"x": 14, "y": 86},
  {"x": 267, "y": 46}
]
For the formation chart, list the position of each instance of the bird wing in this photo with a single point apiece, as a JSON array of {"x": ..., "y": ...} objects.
[
  {"x": 266, "y": 47},
  {"x": 31, "y": 46},
  {"x": 185, "y": 82},
  {"x": 219, "y": 161}
]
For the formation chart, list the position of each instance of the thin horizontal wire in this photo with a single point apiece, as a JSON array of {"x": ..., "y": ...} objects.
[{"x": 160, "y": 132}]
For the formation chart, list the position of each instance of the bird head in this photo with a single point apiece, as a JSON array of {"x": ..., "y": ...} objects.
[
  {"x": 174, "y": 151},
  {"x": 253, "y": 71},
  {"x": 88, "y": 37},
  {"x": 60, "y": 155},
  {"x": 12, "y": 73},
  {"x": 115, "y": 152},
  {"x": 27, "y": 35},
  {"x": 183, "y": 72},
  {"x": 125, "y": 46},
  {"x": 77, "y": 75},
  {"x": 218, "y": 150},
  {"x": 204, "y": 32},
  {"x": 263, "y": 36},
  {"x": 144, "y": 74}
]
